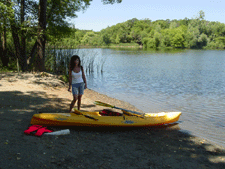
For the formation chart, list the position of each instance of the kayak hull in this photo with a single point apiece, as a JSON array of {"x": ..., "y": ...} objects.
[{"x": 94, "y": 119}]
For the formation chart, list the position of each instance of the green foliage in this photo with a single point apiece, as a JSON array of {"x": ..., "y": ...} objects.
[
  {"x": 140, "y": 29},
  {"x": 220, "y": 40},
  {"x": 218, "y": 43},
  {"x": 174, "y": 25},
  {"x": 201, "y": 15},
  {"x": 178, "y": 39},
  {"x": 161, "y": 24},
  {"x": 12, "y": 66},
  {"x": 87, "y": 38},
  {"x": 150, "y": 43},
  {"x": 215, "y": 45},
  {"x": 64, "y": 78},
  {"x": 111, "y": 1},
  {"x": 184, "y": 33},
  {"x": 104, "y": 39},
  {"x": 157, "y": 38},
  {"x": 117, "y": 40},
  {"x": 202, "y": 40},
  {"x": 145, "y": 42}
]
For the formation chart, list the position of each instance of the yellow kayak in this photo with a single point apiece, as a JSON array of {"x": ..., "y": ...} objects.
[{"x": 96, "y": 119}]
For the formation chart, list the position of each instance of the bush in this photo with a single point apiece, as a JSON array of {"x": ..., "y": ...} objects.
[
  {"x": 64, "y": 78},
  {"x": 215, "y": 45}
]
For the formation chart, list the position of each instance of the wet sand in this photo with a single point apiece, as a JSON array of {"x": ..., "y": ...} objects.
[{"x": 23, "y": 95}]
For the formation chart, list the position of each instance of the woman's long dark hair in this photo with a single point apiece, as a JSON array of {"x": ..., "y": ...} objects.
[{"x": 72, "y": 64}]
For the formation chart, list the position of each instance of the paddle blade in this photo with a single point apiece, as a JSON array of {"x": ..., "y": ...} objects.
[
  {"x": 103, "y": 104},
  {"x": 77, "y": 111}
]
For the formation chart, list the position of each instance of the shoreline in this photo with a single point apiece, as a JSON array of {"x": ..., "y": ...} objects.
[
  {"x": 184, "y": 127},
  {"x": 27, "y": 94}
]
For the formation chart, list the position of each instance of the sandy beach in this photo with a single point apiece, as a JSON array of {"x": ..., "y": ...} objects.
[{"x": 25, "y": 94}]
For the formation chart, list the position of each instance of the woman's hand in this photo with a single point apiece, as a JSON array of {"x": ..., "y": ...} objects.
[{"x": 85, "y": 87}]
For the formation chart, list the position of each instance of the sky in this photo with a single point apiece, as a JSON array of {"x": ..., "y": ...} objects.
[{"x": 99, "y": 16}]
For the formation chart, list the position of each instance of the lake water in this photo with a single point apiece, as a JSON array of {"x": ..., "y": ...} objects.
[{"x": 190, "y": 81}]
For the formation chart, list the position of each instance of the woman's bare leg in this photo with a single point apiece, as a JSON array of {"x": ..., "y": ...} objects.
[
  {"x": 73, "y": 102},
  {"x": 79, "y": 102}
]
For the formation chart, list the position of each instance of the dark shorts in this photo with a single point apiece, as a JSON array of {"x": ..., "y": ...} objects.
[{"x": 78, "y": 88}]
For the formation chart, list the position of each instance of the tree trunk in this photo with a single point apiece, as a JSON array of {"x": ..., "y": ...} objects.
[
  {"x": 15, "y": 34},
  {"x": 32, "y": 55},
  {"x": 34, "y": 49},
  {"x": 40, "y": 59},
  {"x": 23, "y": 40},
  {"x": 5, "y": 56},
  {"x": 16, "y": 41},
  {"x": 3, "y": 48}
]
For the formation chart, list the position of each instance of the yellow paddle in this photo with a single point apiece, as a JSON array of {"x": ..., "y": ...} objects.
[
  {"x": 111, "y": 106},
  {"x": 80, "y": 113}
]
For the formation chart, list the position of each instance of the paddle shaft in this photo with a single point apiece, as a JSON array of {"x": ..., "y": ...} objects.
[
  {"x": 128, "y": 110},
  {"x": 111, "y": 106},
  {"x": 90, "y": 117}
]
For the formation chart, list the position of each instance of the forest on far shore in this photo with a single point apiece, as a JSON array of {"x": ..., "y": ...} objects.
[
  {"x": 195, "y": 33},
  {"x": 30, "y": 33}
]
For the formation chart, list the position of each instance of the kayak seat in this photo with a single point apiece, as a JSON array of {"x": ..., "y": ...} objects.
[{"x": 107, "y": 112}]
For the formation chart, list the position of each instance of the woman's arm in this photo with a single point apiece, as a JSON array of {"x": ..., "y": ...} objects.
[
  {"x": 83, "y": 76},
  {"x": 70, "y": 80}
]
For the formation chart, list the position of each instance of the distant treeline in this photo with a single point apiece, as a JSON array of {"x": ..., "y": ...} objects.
[{"x": 194, "y": 33}]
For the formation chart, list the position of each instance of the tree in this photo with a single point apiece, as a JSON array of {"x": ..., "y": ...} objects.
[
  {"x": 88, "y": 38},
  {"x": 178, "y": 38},
  {"x": 66, "y": 10},
  {"x": 202, "y": 40},
  {"x": 201, "y": 15},
  {"x": 178, "y": 41},
  {"x": 117, "y": 40},
  {"x": 50, "y": 14},
  {"x": 23, "y": 38},
  {"x": 157, "y": 37},
  {"x": 193, "y": 34},
  {"x": 104, "y": 39},
  {"x": 5, "y": 17},
  {"x": 111, "y": 1},
  {"x": 138, "y": 29},
  {"x": 40, "y": 59},
  {"x": 166, "y": 34},
  {"x": 79, "y": 36},
  {"x": 173, "y": 25},
  {"x": 3, "y": 56}
]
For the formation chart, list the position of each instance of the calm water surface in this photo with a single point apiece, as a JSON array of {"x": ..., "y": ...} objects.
[{"x": 191, "y": 81}]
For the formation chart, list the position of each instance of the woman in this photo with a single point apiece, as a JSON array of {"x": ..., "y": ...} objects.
[{"x": 77, "y": 80}]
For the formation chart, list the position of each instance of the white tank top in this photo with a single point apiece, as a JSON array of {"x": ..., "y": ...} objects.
[{"x": 77, "y": 77}]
